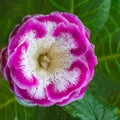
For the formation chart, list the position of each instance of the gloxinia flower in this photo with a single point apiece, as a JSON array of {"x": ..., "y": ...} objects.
[{"x": 49, "y": 59}]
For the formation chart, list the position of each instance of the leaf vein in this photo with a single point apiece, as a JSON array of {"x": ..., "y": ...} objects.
[{"x": 7, "y": 103}]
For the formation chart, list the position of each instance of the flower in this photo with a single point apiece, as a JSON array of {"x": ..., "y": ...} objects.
[{"x": 49, "y": 59}]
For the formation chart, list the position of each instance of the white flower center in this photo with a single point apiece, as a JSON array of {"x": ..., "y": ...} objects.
[{"x": 47, "y": 56}]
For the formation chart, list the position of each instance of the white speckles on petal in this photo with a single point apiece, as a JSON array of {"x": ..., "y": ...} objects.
[
  {"x": 50, "y": 27},
  {"x": 39, "y": 91},
  {"x": 58, "y": 50},
  {"x": 64, "y": 78},
  {"x": 36, "y": 47}
]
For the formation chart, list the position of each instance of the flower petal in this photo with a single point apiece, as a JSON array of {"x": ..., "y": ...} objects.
[
  {"x": 30, "y": 25},
  {"x": 78, "y": 38},
  {"x": 15, "y": 30},
  {"x": 3, "y": 59},
  {"x": 66, "y": 84},
  {"x": 17, "y": 70},
  {"x": 51, "y": 18},
  {"x": 74, "y": 96},
  {"x": 91, "y": 60},
  {"x": 26, "y": 95},
  {"x": 74, "y": 19},
  {"x": 9, "y": 78}
]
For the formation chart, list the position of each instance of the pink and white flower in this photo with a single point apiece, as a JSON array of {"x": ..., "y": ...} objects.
[{"x": 49, "y": 59}]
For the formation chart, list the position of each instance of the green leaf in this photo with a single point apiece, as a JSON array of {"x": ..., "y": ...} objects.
[
  {"x": 91, "y": 108},
  {"x": 104, "y": 86},
  {"x": 86, "y": 10},
  {"x": 107, "y": 90},
  {"x": 12, "y": 12},
  {"x": 93, "y": 13},
  {"x": 108, "y": 45},
  {"x": 57, "y": 113}
]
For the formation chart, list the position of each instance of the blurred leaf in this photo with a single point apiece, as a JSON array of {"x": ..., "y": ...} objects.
[
  {"x": 12, "y": 12},
  {"x": 11, "y": 110},
  {"x": 57, "y": 113},
  {"x": 86, "y": 10},
  {"x": 108, "y": 45},
  {"x": 107, "y": 90},
  {"x": 115, "y": 99},
  {"x": 104, "y": 87},
  {"x": 91, "y": 108},
  {"x": 93, "y": 13}
]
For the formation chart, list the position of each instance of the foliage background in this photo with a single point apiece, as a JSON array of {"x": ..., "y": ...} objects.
[{"x": 102, "y": 99}]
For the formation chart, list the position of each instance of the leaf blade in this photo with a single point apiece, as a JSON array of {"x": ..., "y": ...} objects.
[
  {"x": 91, "y": 108},
  {"x": 108, "y": 39}
]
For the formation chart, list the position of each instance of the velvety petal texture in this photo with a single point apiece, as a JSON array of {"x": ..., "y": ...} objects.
[{"x": 49, "y": 59}]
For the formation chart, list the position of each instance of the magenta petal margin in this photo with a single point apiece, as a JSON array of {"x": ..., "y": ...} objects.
[{"x": 49, "y": 59}]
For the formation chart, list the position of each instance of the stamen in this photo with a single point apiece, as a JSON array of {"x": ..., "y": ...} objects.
[{"x": 44, "y": 61}]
